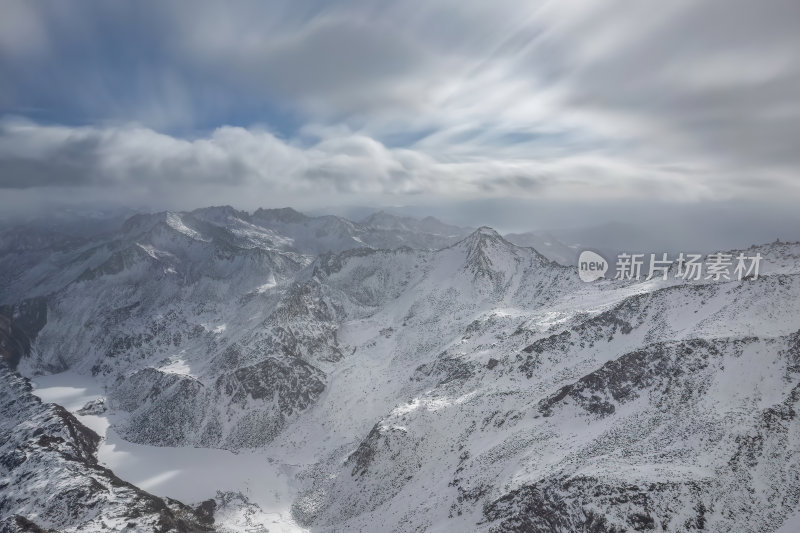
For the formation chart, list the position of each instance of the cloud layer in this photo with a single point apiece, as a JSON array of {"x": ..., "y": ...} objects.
[{"x": 686, "y": 101}]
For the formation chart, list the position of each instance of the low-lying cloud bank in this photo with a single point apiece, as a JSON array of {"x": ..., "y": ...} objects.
[{"x": 319, "y": 104}]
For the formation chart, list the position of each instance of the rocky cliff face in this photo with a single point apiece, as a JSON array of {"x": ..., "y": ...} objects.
[
  {"x": 20, "y": 323},
  {"x": 50, "y": 479}
]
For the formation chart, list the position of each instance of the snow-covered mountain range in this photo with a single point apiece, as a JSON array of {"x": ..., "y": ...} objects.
[{"x": 396, "y": 375}]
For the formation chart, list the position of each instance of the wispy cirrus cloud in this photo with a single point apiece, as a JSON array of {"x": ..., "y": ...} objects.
[{"x": 686, "y": 101}]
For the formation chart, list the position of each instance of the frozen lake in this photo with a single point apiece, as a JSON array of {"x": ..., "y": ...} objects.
[{"x": 190, "y": 475}]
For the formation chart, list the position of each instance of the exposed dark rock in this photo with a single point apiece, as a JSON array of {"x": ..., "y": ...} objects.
[
  {"x": 19, "y": 325},
  {"x": 50, "y": 471},
  {"x": 622, "y": 379}
]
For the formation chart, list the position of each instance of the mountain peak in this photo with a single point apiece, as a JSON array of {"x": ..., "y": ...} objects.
[
  {"x": 482, "y": 235},
  {"x": 383, "y": 220},
  {"x": 487, "y": 232},
  {"x": 281, "y": 214},
  {"x": 142, "y": 222},
  {"x": 219, "y": 213},
  {"x": 483, "y": 245}
]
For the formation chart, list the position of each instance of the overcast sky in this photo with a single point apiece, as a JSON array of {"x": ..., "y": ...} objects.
[{"x": 314, "y": 104}]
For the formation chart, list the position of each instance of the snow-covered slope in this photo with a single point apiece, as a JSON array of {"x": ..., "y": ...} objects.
[
  {"x": 50, "y": 479},
  {"x": 606, "y": 407},
  {"x": 547, "y": 245},
  {"x": 317, "y": 235},
  {"x": 474, "y": 386}
]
